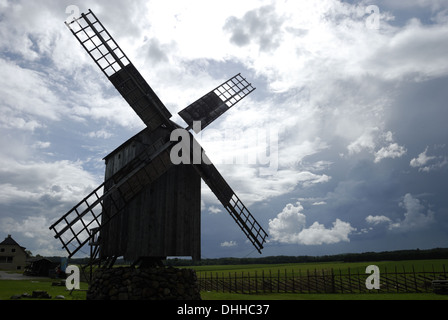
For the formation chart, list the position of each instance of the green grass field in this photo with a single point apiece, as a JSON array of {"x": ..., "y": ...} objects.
[
  {"x": 9, "y": 288},
  {"x": 355, "y": 267}
]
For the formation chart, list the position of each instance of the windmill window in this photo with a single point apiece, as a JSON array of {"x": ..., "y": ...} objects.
[
  {"x": 13, "y": 250},
  {"x": 2, "y": 249}
]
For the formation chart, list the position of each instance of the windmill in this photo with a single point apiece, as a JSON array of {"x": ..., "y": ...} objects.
[{"x": 148, "y": 208}]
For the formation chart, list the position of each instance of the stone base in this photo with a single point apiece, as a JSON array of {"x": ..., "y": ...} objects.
[{"x": 164, "y": 283}]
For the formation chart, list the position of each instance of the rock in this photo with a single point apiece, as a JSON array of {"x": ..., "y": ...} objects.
[
  {"x": 16, "y": 297},
  {"x": 60, "y": 297},
  {"x": 123, "y": 296},
  {"x": 40, "y": 295}
]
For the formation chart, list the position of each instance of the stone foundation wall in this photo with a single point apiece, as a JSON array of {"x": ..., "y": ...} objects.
[{"x": 144, "y": 284}]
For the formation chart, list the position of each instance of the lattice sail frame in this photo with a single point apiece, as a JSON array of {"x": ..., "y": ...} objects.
[
  {"x": 98, "y": 43},
  {"x": 117, "y": 67},
  {"x": 210, "y": 107},
  {"x": 87, "y": 218}
]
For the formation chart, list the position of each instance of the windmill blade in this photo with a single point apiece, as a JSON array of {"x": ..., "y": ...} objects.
[
  {"x": 88, "y": 217},
  {"x": 234, "y": 206},
  {"x": 109, "y": 57},
  {"x": 210, "y": 107}
]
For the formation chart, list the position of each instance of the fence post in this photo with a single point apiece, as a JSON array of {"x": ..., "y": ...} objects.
[
  {"x": 350, "y": 280},
  {"x": 293, "y": 282},
  {"x": 332, "y": 280},
  {"x": 262, "y": 279},
  {"x": 415, "y": 280},
  {"x": 278, "y": 281},
  {"x": 308, "y": 275},
  {"x": 325, "y": 283},
  {"x": 256, "y": 282},
  {"x": 405, "y": 280},
  {"x": 236, "y": 283},
  {"x": 359, "y": 282},
  {"x": 285, "y": 281},
  {"x": 396, "y": 279},
  {"x": 340, "y": 279}
]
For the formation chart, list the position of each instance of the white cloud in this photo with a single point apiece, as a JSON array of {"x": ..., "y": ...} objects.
[
  {"x": 27, "y": 96},
  {"x": 57, "y": 182},
  {"x": 214, "y": 210},
  {"x": 375, "y": 220},
  {"x": 372, "y": 139},
  {"x": 317, "y": 234},
  {"x": 365, "y": 141},
  {"x": 423, "y": 160},
  {"x": 290, "y": 227},
  {"x": 35, "y": 230},
  {"x": 392, "y": 151},
  {"x": 229, "y": 244},
  {"x": 416, "y": 216},
  {"x": 42, "y": 145},
  {"x": 103, "y": 134}
]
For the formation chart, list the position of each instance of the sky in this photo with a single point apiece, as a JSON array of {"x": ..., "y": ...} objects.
[{"x": 342, "y": 147}]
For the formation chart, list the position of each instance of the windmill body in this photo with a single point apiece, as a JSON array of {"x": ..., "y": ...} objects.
[
  {"x": 169, "y": 206},
  {"x": 148, "y": 207}
]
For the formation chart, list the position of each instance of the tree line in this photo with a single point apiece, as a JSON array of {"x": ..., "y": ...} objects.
[{"x": 417, "y": 254}]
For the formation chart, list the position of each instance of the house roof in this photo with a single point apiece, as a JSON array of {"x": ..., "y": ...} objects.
[{"x": 9, "y": 241}]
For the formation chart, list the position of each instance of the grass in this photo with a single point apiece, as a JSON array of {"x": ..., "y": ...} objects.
[
  {"x": 10, "y": 288},
  {"x": 355, "y": 267},
  {"x": 290, "y": 296}
]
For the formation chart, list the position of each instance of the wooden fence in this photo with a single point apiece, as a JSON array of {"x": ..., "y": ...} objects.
[{"x": 314, "y": 281}]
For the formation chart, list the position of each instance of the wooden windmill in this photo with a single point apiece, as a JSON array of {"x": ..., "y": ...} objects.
[{"x": 148, "y": 208}]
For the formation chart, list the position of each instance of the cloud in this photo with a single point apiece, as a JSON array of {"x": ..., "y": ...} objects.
[
  {"x": 229, "y": 244},
  {"x": 423, "y": 159},
  {"x": 375, "y": 220},
  {"x": 416, "y": 216},
  {"x": 261, "y": 26},
  {"x": 373, "y": 139},
  {"x": 54, "y": 183},
  {"x": 102, "y": 134},
  {"x": 34, "y": 230},
  {"x": 290, "y": 227},
  {"x": 365, "y": 141},
  {"x": 214, "y": 210},
  {"x": 392, "y": 151}
]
